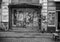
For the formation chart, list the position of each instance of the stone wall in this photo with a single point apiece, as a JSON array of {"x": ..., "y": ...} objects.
[
  {"x": 49, "y": 14},
  {"x": 44, "y": 15},
  {"x": 4, "y": 15}
]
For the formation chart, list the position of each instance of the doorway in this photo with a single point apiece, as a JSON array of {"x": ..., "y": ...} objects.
[
  {"x": 58, "y": 12},
  {"x": 25, "y": 17}
]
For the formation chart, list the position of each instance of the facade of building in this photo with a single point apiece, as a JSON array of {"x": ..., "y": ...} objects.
[
  {"x": 53, "y": 10},
  {"x": 29, "y": 15}
]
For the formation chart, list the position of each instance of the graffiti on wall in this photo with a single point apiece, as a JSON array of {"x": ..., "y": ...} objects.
[
  {"x": 26, "y": 17},
  {"x": 51, "y": 18}
]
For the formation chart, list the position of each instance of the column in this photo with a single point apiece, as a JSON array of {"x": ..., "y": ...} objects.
[
  {"x": 44, "y": 15},
  {"x": 5, "y": 14}
]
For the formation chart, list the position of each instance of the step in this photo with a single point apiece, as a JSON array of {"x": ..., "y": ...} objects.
[
  {"x": 14, "y": 34},
  {"x": 24, "y": 30}
]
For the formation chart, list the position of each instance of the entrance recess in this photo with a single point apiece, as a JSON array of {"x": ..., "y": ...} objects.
[
  {"x": 58, "y": 20},
  {"x": 27, "y": 17},
  {"x": 58, "y": 15}
]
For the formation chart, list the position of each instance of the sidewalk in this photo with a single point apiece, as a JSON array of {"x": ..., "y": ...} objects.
[{"x": 22, "y": 35}]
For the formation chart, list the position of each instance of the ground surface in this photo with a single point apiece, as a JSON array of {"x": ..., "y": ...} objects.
[
  {"x": 27, "y": 40},
  {"x": 26, "y": 37}
]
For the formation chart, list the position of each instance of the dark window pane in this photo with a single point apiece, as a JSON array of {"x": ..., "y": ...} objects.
[
  {"x": 0, "y": 3},
  {"x": 59, "y": 20}
]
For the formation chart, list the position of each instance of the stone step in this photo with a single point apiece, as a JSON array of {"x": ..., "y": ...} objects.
[
  {"x": 25, "y": 29},
  {"x": 15, "y": 34}
]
